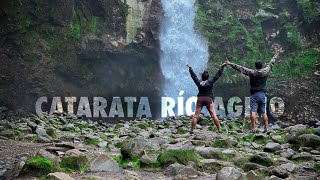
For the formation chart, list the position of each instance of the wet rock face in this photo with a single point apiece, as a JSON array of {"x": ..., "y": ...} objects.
[{"x": 59, "y": 47}]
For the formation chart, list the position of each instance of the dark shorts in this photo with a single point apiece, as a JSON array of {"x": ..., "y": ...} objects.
[
  {"x": 204, "y": 101},
  {"x": 258, "y": 102}
]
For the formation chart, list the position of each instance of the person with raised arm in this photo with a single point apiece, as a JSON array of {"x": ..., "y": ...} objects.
[
  {"x": 205, "y": 95},
  {"x": 258, "y": 78}
]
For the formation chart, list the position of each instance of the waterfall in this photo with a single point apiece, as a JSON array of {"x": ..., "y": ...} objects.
[{"x": 180, "y": 45}]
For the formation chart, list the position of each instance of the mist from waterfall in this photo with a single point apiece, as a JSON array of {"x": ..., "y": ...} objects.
[{"x": 180, "y": 45}]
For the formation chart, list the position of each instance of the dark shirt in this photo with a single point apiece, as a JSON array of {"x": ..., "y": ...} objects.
[
  {"x": 258, "y": 77},
  {"x": 205, "y": 87}
]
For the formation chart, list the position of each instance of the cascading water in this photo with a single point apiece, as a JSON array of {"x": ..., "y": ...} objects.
[{"x": 180, "y": 45}]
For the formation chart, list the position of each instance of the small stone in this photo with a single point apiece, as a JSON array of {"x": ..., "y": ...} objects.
[
  {"x": 287, "y": 153},
  {"x": 255, "y": 145},
  {"x": 103, "y": 144},
  {"x": 274, "y": 178}
]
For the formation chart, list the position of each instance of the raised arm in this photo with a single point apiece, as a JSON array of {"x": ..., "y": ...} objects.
[
  {"x": 194, "y": 76},
  {"x": 273, "y": 60},
  {"x": 218, "y": 74},
  {"x": 242, "y": 69}
]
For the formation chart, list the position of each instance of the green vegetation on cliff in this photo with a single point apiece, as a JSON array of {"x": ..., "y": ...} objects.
[{"x": 246, "y": 35}]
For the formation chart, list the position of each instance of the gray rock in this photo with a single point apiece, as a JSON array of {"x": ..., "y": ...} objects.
[
  {"x": 179, "y": 169},
  {"x": 103, "y": 144},
  {"x": 250, "y": 166},
  {"x": 262, "y": 159},
  {"x": 68, "y": 127},
  {"x": 103, "y": 163},
  {"x": 277, "y": 138},
  {"x": 274, "y": 178},
  {"x": 255, "y": 145},
  {"x": 295, "y": 128},
  {"x": 209, "y": 152},
  {"x": 213, "y": 165},
  {"x": 251, "y": 175},
  {"x": 32, "y": 125},
  {"x": 229, "y": 153},
  {"x": 185, "y": 145},
  {"x": 75, "y": 155},
  {"x": 59, "y": 176},
  {"x": 131, "y": 175},
  {"x": 302, "y": 156},
  {"x": 137, "y": 146},
  {"x": 48, "y": 155},
  {"x": 309, "y": 140},
  {"x": 229, "y": 173},
  {"x": 7, "y": 133},
  {"x": 265, "y": 15},
  {"x": 42, "y": 135},
  {"x": 272, "y": 147},
  {"x": 284, "y": 170},
  {"x": 287, "y": 153},
  {"x": 149, "y": 158}
]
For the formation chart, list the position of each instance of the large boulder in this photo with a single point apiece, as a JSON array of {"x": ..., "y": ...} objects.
[
  {"x": 74, "y": 160},
  {"x": 309, "y": 140},
  {"x": 262, "y": 159},
  {"x": 103, "y": 163}
]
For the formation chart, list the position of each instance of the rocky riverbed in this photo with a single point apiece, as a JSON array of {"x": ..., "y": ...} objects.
[{"x": 65, "y": 147}]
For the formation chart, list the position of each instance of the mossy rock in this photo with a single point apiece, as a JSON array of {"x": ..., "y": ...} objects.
[
  {"x": 179, "y": 156},
  {"x": 38, "y": 166},
  {"x": 74, "y": 163},
  {"x": 142, "y": 126},
  {"x": 248, "y": 138},
  {"x": 250, "y": 166},
  {"x": 222, "y": 143},
  {"x": 92, "y": 141},
  {"x": 51, "y": 132},
  {"x": 261, "y": 159},
  {"x": 261, "y": 139},
  {"x": 124, "y": 162},
  {"x": 181, "y": 130}
]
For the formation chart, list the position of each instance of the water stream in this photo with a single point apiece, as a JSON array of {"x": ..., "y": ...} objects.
[{"x": 180, "y": 44}]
